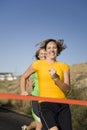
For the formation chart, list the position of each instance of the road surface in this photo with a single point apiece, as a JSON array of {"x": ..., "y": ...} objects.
[{"x": 10, "y": 120}]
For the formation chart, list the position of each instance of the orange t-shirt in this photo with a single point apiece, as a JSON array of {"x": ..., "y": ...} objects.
[{"x": 47, "y": 86}]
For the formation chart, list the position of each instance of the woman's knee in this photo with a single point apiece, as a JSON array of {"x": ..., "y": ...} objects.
[{"x": 54, "y": 128}]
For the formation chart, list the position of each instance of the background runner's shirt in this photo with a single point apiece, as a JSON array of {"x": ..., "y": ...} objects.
[
  {"x": 47, "y": 87},
  {"x": 35, "y": 90}
]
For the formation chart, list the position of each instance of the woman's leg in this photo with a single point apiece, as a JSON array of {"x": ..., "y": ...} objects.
[
  {"x": 31, "y": 126},
  {"x": 39, "y": 126},
  {"x": 54, "y": 128},
  {"x": 47, "y": 115},
  {"x": 35, "y": 113},
  {"x": 36, "y": 125},
  {"x": 64, "y": 117}
]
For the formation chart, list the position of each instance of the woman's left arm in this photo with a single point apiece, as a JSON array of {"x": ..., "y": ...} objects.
[
  {"x": 27, "y": 73},
  {"x": 64, "y": 85}
]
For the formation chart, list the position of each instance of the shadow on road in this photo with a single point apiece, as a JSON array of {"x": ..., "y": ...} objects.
[{"x": 10, "y": 120}]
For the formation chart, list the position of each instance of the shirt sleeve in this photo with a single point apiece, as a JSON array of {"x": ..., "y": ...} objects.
[
  {"x": 65, "y": 67},
  {"x": 35, "y": 65}
]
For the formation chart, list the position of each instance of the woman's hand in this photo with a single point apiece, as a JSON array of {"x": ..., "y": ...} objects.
[
  {"x": 25, "y": 93},
  {"x": 53, "y": 74}
]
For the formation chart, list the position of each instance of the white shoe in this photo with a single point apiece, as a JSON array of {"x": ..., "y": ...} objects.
[{"x": 24, "y": 127}]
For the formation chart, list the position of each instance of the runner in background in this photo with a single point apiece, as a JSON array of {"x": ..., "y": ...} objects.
[{"x": 32, "y": 82}]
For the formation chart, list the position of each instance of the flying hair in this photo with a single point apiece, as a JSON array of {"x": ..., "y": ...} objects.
[{"x": 60, "y": 44}]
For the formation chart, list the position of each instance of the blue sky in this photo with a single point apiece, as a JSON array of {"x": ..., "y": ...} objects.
[{"x": 23, "y": 23}]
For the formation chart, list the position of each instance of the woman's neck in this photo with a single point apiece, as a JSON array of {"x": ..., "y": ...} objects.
[{"x": 50, "y": 60}]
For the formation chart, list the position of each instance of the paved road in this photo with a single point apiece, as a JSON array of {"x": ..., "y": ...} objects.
[{"x": 10, "y": 120}]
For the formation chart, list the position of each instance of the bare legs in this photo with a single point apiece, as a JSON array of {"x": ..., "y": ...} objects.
[
  {"x": 36, "y": 125},
  {"x": 54, "y": 128}
]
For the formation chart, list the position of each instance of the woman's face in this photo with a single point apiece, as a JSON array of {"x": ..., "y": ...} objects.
[
  {"x": 42, "y": 54},
  {"x": 51, "y": 50}
]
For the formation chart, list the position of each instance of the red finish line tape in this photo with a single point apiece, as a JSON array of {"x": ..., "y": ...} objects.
[{"x": 36, "y": 98}]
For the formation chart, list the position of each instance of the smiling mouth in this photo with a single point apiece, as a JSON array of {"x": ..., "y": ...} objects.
[{"x": 52, "y": 54}]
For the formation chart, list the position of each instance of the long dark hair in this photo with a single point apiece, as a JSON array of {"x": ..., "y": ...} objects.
[{"x": 60, "y": 44}]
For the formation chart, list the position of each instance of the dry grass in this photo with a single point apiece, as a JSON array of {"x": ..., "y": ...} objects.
[{"x": 13, "y": 87}]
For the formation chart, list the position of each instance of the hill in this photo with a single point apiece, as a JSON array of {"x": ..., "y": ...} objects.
[
  {"x": 79, "y": 81},
  {"x": 79, "y": 91},
  {"x": 79, "y": 73}
]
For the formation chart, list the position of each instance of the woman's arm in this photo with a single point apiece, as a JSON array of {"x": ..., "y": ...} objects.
[
  {"x": 64, "y": 85},
  {"x": 30, "y": 83},
  {"x": 27, "y": 73}
]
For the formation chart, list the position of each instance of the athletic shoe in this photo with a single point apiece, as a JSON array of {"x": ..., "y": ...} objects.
[{"x": 24, "y": 127}]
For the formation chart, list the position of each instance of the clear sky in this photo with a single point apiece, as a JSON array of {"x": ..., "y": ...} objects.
[{"x": 23, "y": 23}]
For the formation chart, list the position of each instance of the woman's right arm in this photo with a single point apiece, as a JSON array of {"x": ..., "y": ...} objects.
[{"x": 26, "y": 74}]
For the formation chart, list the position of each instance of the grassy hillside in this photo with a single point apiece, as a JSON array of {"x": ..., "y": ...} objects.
[
  {"x": 78, "y": 91},
  {"x": 12, "y": 87}
]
